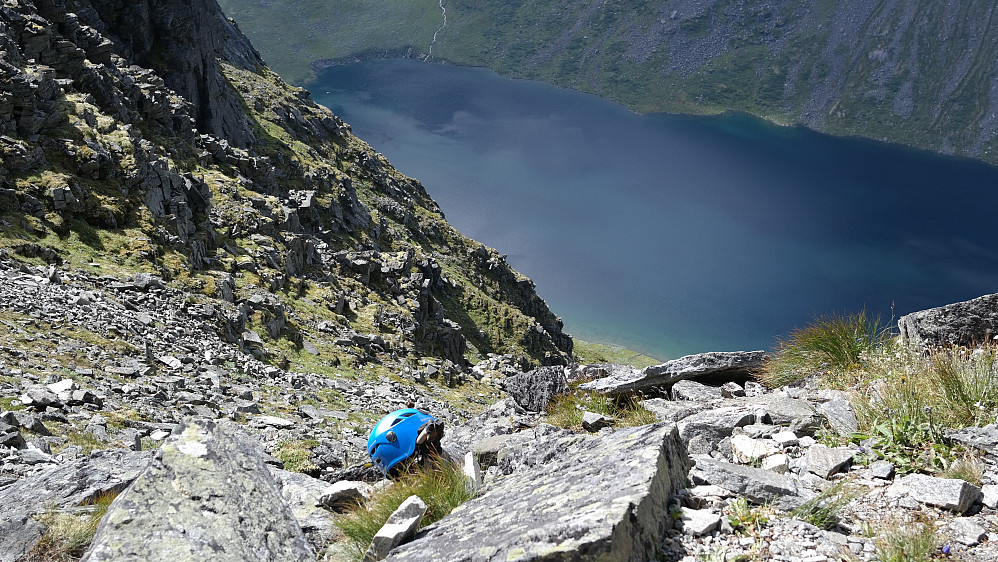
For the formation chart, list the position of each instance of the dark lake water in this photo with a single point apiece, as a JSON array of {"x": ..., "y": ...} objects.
[{"x": 672, "y": 234}]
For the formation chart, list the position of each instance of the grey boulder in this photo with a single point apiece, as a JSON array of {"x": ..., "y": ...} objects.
[
  {"x": 400, "y": 527},
  {"x": 964, "y": 323},
  {"x": 534, "y": 390},
  {"x": 582, "y": 497},
  {"x": 758, "y": 485},
  {"x": 67, "y": 485},
  {"x": 206, "y": 495}
]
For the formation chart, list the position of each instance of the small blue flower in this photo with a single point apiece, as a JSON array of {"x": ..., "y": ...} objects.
[{"x": 946, "y": 550}]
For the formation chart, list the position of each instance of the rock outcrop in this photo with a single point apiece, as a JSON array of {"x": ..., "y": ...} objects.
[
  {"x": 534, "y": 390},
  {"x": 65, "y": 486},
  {"x": 966, "y": 323},
  {"x": 572, "y": 497},
  {"x": 206, "y": 495},
  {"x": 714, "y": 367}
]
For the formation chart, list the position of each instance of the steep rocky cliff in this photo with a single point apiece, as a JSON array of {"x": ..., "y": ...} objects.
[
  {"x": 150, "y": 137},
  {"x": 915, "y": 71}
]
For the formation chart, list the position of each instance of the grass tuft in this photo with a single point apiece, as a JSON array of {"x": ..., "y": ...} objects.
[
  {"x": 967, "y": 467},
  {"x": 441, "y": 485},
  {"x": 911, "y": 542},
  {"x": 830, "y": 345},
  {"x": 296, "y": 455},
  {"x": 566, "y": 410},
  {"x": 744, "y": 518},
  {"x": 823, "y": 511},
  {"x": 68, "y": 536}
]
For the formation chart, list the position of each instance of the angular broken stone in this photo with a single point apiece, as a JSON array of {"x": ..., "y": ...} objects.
[
  {"x": 344, "y": 492},
  {"x": 840, "y": 416},
  {"x": 592, "y": 421},
  {"x": 714, "y": 425},
  {"x": 63, "y": 486},
  {"x": 206, "y": 495},
  {"x": 400, "y": 527},
  {"x": 948, "y": 493},
  {"x": 670, "y": 411},
  {"x": 825, "y": 461},
  {"x": 574, "y": 497},
  {"x": 693, "y": 391},
  {"x": 748, "y": 451},
  {"x": 966, "y": 323},
  {"x": 779, "y": 464},
  {"x": 699, "y": 522},
  {"x": 882, "y": 469},
  {"x": 785, "y": 438},
  {"x": 758, "y": 485},
  {"x": 714, "y": 367},
  {"x": 271, "y": 421}
]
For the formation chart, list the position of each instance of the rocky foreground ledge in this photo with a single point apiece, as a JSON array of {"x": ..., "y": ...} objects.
[{"x": 195, "y": 471}]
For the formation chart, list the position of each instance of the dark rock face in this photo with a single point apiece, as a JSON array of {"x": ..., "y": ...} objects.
[
  {"x": 964, "y": 323},
  {"x": 206, "y": 495},
  {"x": 534, "y": 390},
  {"x": 68, "y": 485},
  {"x": 615, "y": 487},
  {"x": 183, "y": 42},
  {"x": 714, "y": 368}
]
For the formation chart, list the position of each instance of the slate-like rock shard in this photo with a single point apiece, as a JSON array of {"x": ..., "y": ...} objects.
[
  {"x": 206, "y": 495},
  {"x": 583, "y": 497},
  {"x": 713, "y": 367}
]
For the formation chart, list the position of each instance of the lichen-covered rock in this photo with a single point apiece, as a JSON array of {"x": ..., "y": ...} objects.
[
  {"x": 68, "y": 485},
  {"x": 581, "y": 497},
  {"x": 534, "y": 390},
  {"x": 964, "y": 323},
  {"x": 206, "y": 495},
  {"x": 713, "y": 367}
]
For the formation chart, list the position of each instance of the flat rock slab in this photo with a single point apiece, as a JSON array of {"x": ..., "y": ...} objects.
[
  {"x": 206, "y": 495},
  {"x": 68, "y": 485},
  {"x": 964, "y": 323},
  {"x": 670, "y": 411},
  {"x": 586, "y": 498},
  {"x": 714, "y": 367},
  {"x": 758, "y": 485},
  {"x": 714, "y": 425}
]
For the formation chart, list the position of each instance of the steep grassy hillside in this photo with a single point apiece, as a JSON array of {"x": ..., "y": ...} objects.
[
  {"x": 916, "y": 72},
  {"x": 150, "y": 137}
]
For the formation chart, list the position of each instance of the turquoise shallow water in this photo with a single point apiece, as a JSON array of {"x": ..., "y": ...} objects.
[{"x": 673, "y": 234}]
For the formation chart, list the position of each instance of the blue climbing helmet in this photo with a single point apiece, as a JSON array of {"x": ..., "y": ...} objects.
[{"x": 395, "y": 437}]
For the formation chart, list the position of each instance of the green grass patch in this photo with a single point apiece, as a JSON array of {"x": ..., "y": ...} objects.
[
  {"x": 832, "y": 345},
  {"x": 68, "y": 536},
  {"x": 566, "y": 410},
  {"x": 745, "y": 518},
  {"x": 6, "y": 404},
  {"x": 590, "y": 352},
  {"x": 442, "y": 486},
  {"x": 296, "y": 455}
]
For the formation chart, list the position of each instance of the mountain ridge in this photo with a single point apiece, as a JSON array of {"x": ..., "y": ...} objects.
[{"x": 914, "y": 73}]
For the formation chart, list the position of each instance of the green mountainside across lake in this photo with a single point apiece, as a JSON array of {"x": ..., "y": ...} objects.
[{"x": 914, "y": 72}]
